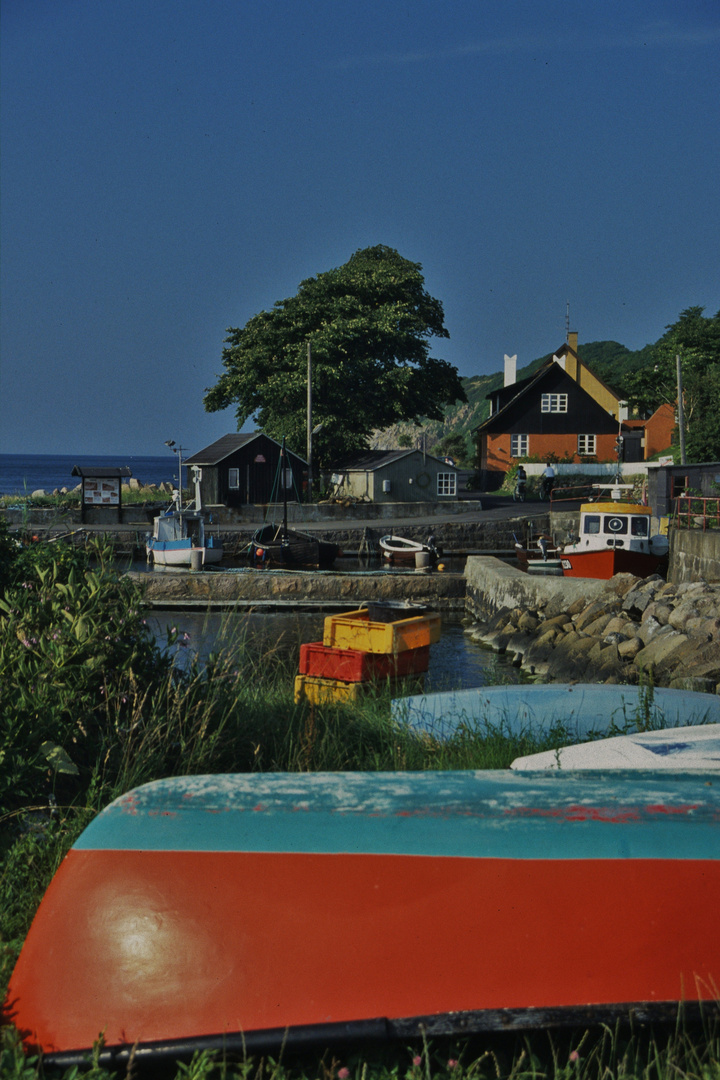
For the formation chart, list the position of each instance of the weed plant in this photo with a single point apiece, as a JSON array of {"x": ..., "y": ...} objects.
[{"x": 92, "y": 706}]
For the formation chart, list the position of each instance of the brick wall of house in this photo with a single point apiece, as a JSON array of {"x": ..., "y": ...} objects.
[{"x": 498, "y": 457}]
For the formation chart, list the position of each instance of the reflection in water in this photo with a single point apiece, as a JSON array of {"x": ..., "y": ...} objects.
[{"x": 455, "y": 661}]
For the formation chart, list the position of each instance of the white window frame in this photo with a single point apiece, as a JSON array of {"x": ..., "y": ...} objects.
[
  {"x": 587, "y": 445},
  {"x": 447, "y": 484},
  {"x": 519, "y": 446},
  {"x": 234, "y": 479},
  {"x": 554, "y": 403}
]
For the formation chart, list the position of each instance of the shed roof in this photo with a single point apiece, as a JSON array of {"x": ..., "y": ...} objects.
[
  {"x": 101, "y": 472},
  {"x": 227, "y": 445},
  {"x": 370, "y": 460}
]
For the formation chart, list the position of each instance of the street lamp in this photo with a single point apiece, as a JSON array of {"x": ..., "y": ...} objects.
[{"x": 179, "y": 451}]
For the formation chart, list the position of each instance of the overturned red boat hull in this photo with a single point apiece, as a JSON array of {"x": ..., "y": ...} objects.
[{"x": 200, "y": 908}]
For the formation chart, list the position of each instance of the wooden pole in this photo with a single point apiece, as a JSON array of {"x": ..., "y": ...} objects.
[
  {"x": 309, "y": 423},
  {"x": 681, "y": 411}
]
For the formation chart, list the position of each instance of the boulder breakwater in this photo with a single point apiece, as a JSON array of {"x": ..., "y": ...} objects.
[{"x": 624, "y": 630}]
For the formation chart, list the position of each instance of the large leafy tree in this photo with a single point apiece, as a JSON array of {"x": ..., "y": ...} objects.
[
  {"x": 695, "y": 338},
  {"x": 369, "y": 324}
]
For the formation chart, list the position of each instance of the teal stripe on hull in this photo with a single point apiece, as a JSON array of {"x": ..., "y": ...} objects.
[{"x": 612, "y": 815}]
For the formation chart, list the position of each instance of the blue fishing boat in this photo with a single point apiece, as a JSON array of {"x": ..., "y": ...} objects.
[
  {"x": 250, "y": 912},
  {"x": 180, "y": 531}
]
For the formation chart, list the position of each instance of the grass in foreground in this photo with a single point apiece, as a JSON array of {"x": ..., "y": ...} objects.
[
  {"x": 603, "y": 1053},
  {"x": 91, "y": 707}
]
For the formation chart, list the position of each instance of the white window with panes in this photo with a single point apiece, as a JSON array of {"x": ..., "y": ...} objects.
[
  {"x": 446, "y": 483},
  {"x": 587, "y": 444},
  {"x": 519, "y": 445},
  {"x": 554, "y": 403}
]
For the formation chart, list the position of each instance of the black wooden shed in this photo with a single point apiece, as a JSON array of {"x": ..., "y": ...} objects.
[{"x": 244, "y": 468}]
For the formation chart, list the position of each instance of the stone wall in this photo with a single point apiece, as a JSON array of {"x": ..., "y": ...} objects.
[{"x": 618, "y": 631}]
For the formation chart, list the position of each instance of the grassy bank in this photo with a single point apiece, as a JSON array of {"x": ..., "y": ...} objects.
[{"x": 91, "y": 706}]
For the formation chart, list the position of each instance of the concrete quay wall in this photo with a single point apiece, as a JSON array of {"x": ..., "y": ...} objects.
[
  {"x": 283, "y": 588},
  {"x": 694, "y": 555},
  {"x": 492, "y": 585}
]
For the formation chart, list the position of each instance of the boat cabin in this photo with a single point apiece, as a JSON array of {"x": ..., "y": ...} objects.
[{"x": 618, "y": 523}]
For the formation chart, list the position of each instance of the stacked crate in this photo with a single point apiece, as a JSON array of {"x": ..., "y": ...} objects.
[{"x": 360, "y": 649}]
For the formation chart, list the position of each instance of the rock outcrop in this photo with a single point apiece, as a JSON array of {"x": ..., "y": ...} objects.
[{"x": 633, "y": 628}]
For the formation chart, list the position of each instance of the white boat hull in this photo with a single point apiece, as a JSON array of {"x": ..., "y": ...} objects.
[{"x": 678, "y": 749}]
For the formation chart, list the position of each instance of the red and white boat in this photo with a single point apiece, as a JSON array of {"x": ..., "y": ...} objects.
[{"x": 615, "y": 538}]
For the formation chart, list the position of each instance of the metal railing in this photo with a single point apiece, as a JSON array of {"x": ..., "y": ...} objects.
[{"x": 696, "y": 512}]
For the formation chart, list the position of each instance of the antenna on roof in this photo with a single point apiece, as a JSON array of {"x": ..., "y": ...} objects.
[{"x": 567, "y": 321}]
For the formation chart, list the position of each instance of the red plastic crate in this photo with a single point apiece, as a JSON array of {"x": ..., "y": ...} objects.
[{"x": 351, "y": 665}]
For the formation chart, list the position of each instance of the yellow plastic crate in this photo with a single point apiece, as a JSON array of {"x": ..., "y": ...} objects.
[
  {"x": 355, "y": 630},
  {"x": 324, "y": 691}
]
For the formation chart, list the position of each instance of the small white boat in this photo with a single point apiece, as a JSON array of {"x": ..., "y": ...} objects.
[
  {"x": 678, "y": 749},
  {"x": 179, "y": 532},
  {"x": 398, "y": 549}
]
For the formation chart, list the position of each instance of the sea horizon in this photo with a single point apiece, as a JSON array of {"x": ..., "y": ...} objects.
[{"x": 22, "y": 474}]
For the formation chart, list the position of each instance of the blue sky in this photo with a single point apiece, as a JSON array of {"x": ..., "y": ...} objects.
[{"x": 172, "y": 167}]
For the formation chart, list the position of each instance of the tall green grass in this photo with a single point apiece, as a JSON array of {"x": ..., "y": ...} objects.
[{"x": 91, "y": 706}]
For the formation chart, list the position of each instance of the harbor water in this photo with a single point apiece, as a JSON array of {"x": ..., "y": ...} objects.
[{"x": 456, "y": 662}]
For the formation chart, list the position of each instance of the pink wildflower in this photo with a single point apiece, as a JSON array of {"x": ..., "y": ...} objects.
[
  {"x": 417, "y": 1060},
  {"x": 344, "y": 1073},
  {"x": 452, "y": 1063},
  {"x": 574, "y": 1056}
]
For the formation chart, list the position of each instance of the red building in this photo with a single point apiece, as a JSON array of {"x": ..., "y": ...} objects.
[{"x": 566, "y": 411}]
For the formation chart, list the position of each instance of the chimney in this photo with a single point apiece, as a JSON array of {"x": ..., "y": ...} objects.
[
  {"x": 510, "y": 370},
  {"x": 572, "y": 340}
]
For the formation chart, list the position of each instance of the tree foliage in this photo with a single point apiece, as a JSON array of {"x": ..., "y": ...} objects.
[
  {"x": 695, "y": 338},
  {"x": 369, "y": 323}
]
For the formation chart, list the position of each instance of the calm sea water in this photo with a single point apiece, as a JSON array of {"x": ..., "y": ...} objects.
[{"x": 22, "y": 474}]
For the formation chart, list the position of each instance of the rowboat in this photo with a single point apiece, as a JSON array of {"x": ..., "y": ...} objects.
[
  {"x": 676, "y": 749},
  {"x": 251, "y": 911},
  {"x": 279, "y": 546},
  {"x": 397, "y": 549},
  {"x": 580, "y": 709}
]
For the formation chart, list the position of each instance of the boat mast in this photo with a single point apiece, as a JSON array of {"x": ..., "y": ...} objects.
[{"x": 284, "y": 487}]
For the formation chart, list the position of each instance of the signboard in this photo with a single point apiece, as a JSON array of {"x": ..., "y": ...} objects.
[{"x": 101, "y": 491}]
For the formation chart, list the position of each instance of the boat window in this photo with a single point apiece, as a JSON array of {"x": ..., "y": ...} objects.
[
  {"x": 592, "y": 523},
  {"x": 639, "y": 526},
  {"x": 615, "y": 524}
]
